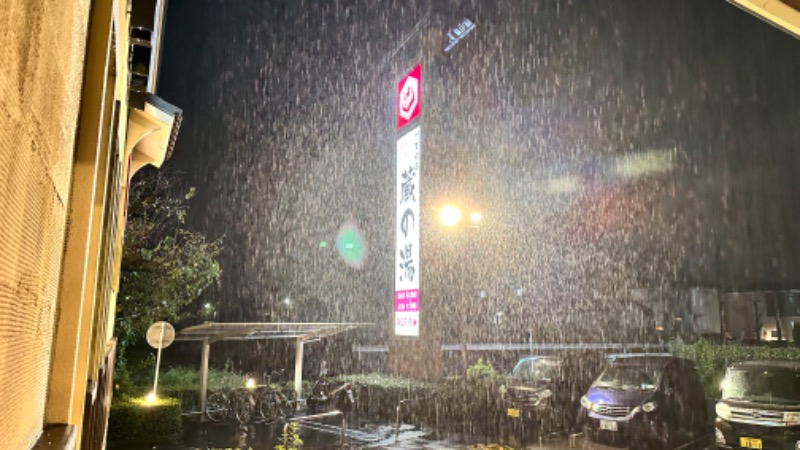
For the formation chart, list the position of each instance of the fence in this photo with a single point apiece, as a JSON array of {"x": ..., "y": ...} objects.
[{"x": 98, "y": 402}]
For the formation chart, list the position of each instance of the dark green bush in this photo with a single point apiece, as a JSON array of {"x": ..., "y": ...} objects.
[
  {"x": 452, "y": 402},
  {"x": 796, "y": 334},
  {"x": 189, "y": 397},
  {"x": 713, "y": 359},
  {"x": 132, "y": 418},
  {"x": 481, "y": 370}
]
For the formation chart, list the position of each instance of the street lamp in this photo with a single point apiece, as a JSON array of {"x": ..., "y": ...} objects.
[{"x": 450, "y": 215}]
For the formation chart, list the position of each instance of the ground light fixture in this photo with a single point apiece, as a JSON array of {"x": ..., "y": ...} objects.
[{"x": 151, "y": 398}]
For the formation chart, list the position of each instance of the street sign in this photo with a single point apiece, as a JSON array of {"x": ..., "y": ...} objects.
[
  {"x": 407, "y": 264},
  {"x": 160, "y": 335},
  {"x": 409, "y": 91}
]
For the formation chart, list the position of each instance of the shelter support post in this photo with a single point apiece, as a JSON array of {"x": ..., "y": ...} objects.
[
  {"x": 204, "y": 376},
  {"x": 298, "y": 370}
]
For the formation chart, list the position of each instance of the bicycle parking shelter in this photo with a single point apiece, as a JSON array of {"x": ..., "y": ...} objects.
[{"x": 210, "y": 332}]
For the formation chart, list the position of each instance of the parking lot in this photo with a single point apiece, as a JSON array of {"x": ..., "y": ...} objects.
[{"x": 326, "y": 433}]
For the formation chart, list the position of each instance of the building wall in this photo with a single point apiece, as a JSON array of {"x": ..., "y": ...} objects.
[{"x": 42, "y": 47}]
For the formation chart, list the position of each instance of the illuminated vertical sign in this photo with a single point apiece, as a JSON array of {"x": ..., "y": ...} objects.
[
  {"x": 407, "y": 263},
  {"x": 409, "y": 91}
]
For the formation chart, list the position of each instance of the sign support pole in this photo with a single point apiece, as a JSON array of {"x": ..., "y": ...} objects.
[{"x": 158, "y": 358}]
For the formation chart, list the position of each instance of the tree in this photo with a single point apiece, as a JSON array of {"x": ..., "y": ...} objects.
[{"x": 165, "y": 265}]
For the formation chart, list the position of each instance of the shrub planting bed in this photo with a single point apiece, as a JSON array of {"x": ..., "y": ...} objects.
[
  {"x": 133, "y": 418},
  {"x": 713, "y": 359}
]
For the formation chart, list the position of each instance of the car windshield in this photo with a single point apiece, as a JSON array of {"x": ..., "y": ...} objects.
[
  {"x": 537, "y": 371},
  {"x": 762, "y": 386},
  {"x": 629, "y": 378}
]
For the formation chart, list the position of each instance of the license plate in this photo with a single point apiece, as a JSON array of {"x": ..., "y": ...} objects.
[
  {"x": 746, "y": 442},
  {"x": 609, "y": 425},
  {"x": 513, "y": 412}
]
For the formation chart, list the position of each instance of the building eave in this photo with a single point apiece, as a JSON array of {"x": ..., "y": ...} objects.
[{"x": 784, "y": 14}]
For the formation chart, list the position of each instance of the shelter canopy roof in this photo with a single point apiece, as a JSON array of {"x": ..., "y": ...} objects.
[{"x": 232, "y": 331}]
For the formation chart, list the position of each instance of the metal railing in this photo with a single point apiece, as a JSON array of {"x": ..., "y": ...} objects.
[
  {"x": 98, "y": 402},
  {"x": 406, "y": 401}
]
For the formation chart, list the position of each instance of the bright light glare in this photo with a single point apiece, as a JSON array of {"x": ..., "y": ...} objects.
[
  {"x": 151, "y": 398},
  {"x": 647, "y": 163},
  {"x": 475, "y": 217},
  {"x": 449, "y": 215},
  {"x": 250, "y": 384},
  {"x": 563, "y": 185}
]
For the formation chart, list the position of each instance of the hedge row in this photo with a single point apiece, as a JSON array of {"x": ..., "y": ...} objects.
[
  {"x": 713, "y": 359},
  {"x": 132, "y": 418}
]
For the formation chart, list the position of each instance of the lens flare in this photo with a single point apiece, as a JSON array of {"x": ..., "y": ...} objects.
[{"x": 351, "y": 246}]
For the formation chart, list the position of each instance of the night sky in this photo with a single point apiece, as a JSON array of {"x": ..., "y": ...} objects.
[{"x": 610, "y": 145}]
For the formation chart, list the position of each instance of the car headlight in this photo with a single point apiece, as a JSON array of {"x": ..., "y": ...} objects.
[
  {"x": 791, "y": 418},
  {"x": 649, "y": 407},
  {"x": 723, "y": 410},
  {"x": 586, "y": 403}
]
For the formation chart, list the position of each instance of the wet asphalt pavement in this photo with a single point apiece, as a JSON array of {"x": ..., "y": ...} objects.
[{"x": 325, "y": 433}]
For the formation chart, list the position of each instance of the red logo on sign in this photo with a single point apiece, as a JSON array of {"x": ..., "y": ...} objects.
[{"x": 408, "y": 97}]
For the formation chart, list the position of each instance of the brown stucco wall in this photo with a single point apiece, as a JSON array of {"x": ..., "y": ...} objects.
[{"x": 42, "y": 46}]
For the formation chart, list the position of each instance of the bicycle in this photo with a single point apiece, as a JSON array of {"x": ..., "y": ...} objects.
[
  {"x": 218, "y": 406},
  {"x": 239, "y": 403},
  {"x": 281, "y": 393},
  {"x": 263, "y": 402},
  {"x": 324, "y": 396}
]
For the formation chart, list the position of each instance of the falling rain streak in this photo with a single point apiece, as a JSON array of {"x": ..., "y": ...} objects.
[{"x": 610, "y": 148}]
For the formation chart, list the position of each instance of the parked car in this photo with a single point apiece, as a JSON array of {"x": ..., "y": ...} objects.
[
  {"x": 646, "y": 401},
  {"x": 543, "y": 392},
  {"x": 760, "y": 406}
]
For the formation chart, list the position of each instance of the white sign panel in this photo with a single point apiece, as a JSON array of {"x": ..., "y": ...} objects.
[
  {"x": 407, "y": 264},
  {"x": 458, "y": 33}
]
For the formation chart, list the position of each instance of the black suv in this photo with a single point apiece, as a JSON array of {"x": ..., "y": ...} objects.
[
  {"x": 543, "y": 392},
  {"x": 760, "y": 406},
  {"x": 645, "y": 400}
]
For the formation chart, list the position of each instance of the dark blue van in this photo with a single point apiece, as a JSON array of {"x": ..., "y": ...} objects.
[{"x": 645, "y": 400}]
